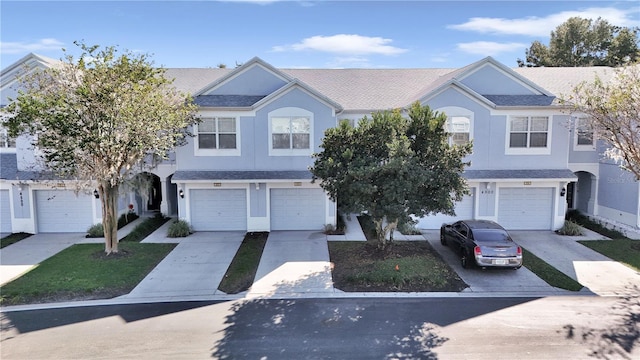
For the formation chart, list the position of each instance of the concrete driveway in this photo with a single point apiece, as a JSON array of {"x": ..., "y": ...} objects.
[
  {"x": 193, "y": 269},
  {"x": 494, "y": 281},
  {"x": 293, "y": 263},
  {"x": 593, "y": 270}
]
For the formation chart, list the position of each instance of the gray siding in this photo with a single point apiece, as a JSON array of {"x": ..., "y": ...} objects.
[
  {"x": 617, "y": 189},
  {"x": 253, "y": 81},
  {"x": 491, "y": 81}
]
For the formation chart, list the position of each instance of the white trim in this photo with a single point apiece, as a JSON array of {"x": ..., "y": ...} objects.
[
  {"x": 581, "y": 147},
  {"x": 457, "y": 111},
  {"x": 290, "y": 112},
  {"x": 508, "y": 150}
]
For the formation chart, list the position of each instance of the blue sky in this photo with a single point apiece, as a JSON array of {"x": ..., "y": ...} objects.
[{"x": 297, "y": 34}]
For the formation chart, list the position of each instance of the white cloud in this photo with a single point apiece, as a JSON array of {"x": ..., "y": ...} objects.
[
  {"x": 542, "y": 26},
  {"x": 22, "y": 47},
  {"x": 489, "y": 48},
  {"x": 344, "y": 44}
]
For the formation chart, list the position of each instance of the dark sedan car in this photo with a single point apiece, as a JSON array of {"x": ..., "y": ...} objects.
[{"x": 481, "y": 242}]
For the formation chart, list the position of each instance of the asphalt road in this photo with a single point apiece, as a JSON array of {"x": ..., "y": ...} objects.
[{"x": 568, "y": 327}]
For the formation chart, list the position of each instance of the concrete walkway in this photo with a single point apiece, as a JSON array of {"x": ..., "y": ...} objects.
[
  {"x": 293, "y": 263},
  {"x": 19, "y": 258}
]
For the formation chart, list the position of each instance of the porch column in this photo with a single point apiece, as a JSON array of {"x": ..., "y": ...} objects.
[{"x": 164, "y": 204}]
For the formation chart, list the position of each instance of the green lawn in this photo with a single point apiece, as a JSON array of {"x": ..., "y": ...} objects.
[
  {"x": 83, "y": 271},
  {"x": 548, "y": 273},
  {"x": 626, "y": 251},
  {"x": 242, "y": 270}
]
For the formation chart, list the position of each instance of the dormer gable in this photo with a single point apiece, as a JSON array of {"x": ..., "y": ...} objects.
[
  {"x": 9, "y": 75},
  {"x": 491, "y": 84},
  {"x": 254, "y": 78}
]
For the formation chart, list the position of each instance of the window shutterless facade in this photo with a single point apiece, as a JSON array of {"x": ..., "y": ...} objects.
[
  {"x": 528, "y": 135},
  {"x": 290, "y": 132},
  {"x": 218, "y": 136},
  {"x": 459, "y": 129},
  {"x": 584, "y": 139}
]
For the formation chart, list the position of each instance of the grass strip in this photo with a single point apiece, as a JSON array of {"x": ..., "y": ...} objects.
[
  {"x": 83, "y": 271},
  {"x": 548, "y": 273},
  {"x": 12, "y": 239},
  {"x": 145, "y": 229},
  {"x": 242, "y": 270},
  {"x": 625, "y": 250}
]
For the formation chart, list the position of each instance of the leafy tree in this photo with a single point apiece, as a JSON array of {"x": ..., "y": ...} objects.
[
  {"x": 613, "y": 110},
  {"x": 584, "y": 42},
  {"x": 104, "y": 117},
  {"x": 392, "y": 167}
]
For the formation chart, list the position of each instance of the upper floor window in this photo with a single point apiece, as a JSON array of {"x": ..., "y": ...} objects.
[
  {"x": 218, "y": 136},
  {"x": 290, "y": 132},
  {"x": 528, "y": 135},
  {"x": 459, "y": 128},
  {"x": 6, "y": 142},
  {"x": 584, "y": 134}
]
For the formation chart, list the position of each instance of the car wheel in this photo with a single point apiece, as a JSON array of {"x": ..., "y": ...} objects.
[
  {"x": 443, "y": 241},
  {"x": 517, "y": 267},
  {"x": 464, "y": 260}
]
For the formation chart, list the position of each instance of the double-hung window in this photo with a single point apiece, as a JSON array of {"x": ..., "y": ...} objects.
[
  {"x": 7, "y": 143},
  {"x": 528, "y": 134},
  {"x": 584, "y": 139},
  {"x": 218, "y": 136},
  {"x": 458, "y": 127},
  {"x": 290, "y": 132}
]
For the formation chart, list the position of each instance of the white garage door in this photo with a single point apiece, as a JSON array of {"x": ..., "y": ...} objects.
[
  {"x": 63, "y": 211},
  {"x": 5, "y": 212},
  {"x": 525, "y": 208},
  {"x": 218, "y": 210},
  {"x": 464, "y": 211},
  {"x": 297, "y": 209}
]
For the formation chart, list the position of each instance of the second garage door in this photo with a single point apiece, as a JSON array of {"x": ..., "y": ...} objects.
[
  {"x": 525, "y": 208},
  {"x": 218, "y": 210},
  {"x": 464, "y": 211},
  {"x": 297, "y": 209},
  {"x": 63, "y": 211}
]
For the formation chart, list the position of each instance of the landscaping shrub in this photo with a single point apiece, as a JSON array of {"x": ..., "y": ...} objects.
[
  {"x": 95, "y": 231},
  {"x": 179, "y": 228},
  {"x": 570, "y": 228},
  {"x": 409, "y": 228},
  {"x": 124, "y": 219}
]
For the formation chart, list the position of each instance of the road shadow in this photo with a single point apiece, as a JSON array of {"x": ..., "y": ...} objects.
[
  {"x": 34, "y": 320},
  {"x": 616, "y": 340},
  {"x": 363, "y": 328}
]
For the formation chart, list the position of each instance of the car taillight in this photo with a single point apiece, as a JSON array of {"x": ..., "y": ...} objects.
[
  {"x": 477, "y": 251},
  {"x": 519, "y": 251}
]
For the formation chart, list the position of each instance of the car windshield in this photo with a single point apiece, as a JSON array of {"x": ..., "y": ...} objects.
[{"x": 490, "y": 235}]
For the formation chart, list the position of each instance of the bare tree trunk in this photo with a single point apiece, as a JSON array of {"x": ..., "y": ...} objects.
[
  {"x": 382, "y": 230},
  {"x": 109, "y": 198}
]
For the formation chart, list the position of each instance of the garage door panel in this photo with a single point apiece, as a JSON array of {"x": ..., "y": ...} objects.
[
  {"x": 63, "y": 211},
  {"x": 218, "y": 210},
  {"x": 525, "y": 208},
  {"x": 5, "y": 212},
  {"x": 297, "y": 209},
  {"x": 464, "y": 211}
]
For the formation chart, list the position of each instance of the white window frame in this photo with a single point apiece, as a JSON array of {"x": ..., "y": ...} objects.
[
  {"x": 218, "y": 152},
  {"x": 576, "y": 128},
  {"x": 453, "y": 112},
  {"x": 6, "y": 141},
  {"x": 291, "y": 112},
  {"x": 528, "y": 150}
]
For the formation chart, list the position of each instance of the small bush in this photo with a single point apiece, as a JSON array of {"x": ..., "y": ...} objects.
[
  {"x": 570, "y": 229},
  {"x": 95, "y": 231},
  {"x": 179, "y": 228},
  {"x": 126, "y": 218},
  {"x": 408, "y": 228}
]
